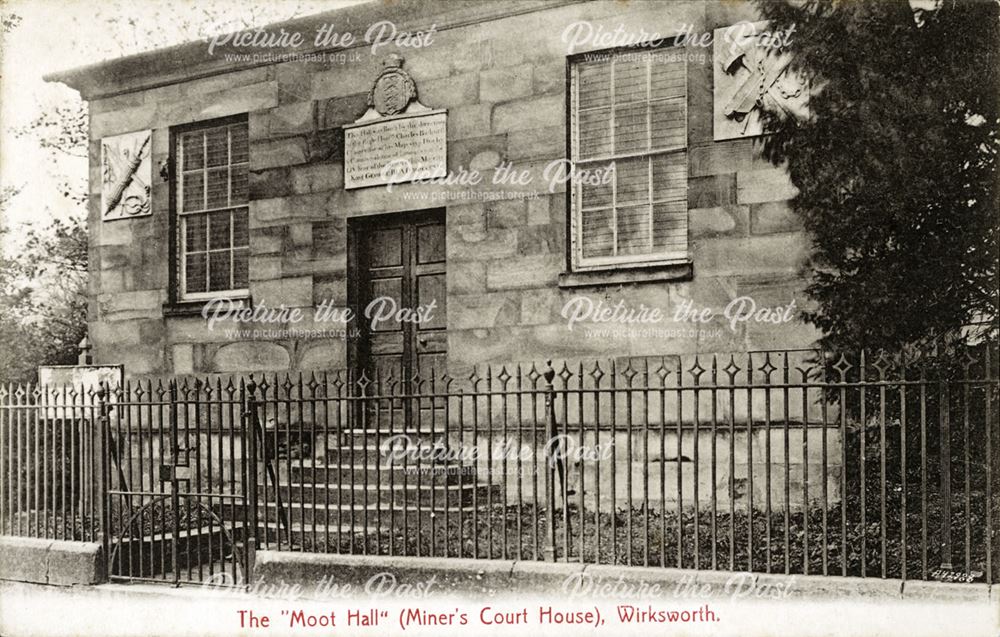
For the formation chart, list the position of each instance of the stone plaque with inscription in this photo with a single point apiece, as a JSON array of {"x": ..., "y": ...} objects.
[{"x": 396, "y": 149}]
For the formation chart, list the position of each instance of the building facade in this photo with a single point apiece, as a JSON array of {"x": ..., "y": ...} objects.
[{"x": 268, "y": 204}]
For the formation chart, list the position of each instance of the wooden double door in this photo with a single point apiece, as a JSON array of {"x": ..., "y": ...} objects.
[{"x": 397, "y": 287}]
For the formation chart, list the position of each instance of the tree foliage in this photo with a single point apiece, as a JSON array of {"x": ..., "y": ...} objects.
[
  {"x": 895, "y": 166},
  {"x": 43, "y": 300}
]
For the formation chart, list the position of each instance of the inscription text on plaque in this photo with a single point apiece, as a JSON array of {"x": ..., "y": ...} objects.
[{"x": 419, "y": 139}]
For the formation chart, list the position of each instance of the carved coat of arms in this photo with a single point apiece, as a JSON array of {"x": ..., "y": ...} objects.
[
  {"x": 393, "y": 90},
  {"x": 397, "y": 139}
]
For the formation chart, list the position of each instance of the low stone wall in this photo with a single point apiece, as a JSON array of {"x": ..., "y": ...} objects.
[
  {"x": 55, "y": 562},
  {"x": 707, "y": 460}
]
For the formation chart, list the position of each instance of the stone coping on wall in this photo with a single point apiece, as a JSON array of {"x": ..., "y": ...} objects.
[
  {"x": 54, "y": 562},
  {"x": 498, "y": 578}
]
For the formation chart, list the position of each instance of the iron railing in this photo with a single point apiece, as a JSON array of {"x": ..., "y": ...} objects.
[
  {"x": 774, "y": 462},
  {"x": 50, "y": 461}
]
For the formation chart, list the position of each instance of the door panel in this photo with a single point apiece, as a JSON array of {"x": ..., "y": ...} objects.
[
  {"x": 431, "y": 289},
  {"x": 399, "y": 263},
  {"x": 386, "y": 248},
  {"x": 431, "y": 243}
]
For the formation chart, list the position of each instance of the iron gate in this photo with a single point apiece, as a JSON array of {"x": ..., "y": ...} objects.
[{"x": 181, "y": 482}]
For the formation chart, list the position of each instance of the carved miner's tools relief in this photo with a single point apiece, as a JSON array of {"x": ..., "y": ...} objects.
[
  {"x": 126, "y": 175},
  {"x": 751, "y": 73}
]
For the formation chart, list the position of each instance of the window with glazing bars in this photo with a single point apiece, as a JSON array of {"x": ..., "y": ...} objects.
[
  {"x": 212, "y": 169},
  {"x": 628, "y": 117}
]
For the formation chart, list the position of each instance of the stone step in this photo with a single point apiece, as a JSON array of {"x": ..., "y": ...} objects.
[
  {"x": 340, "y": 437},
  {"x": 268, "y": 533},
  {"x": 347, "y": 454},
  {"x": 338, "y": 539},
  {"x": 371, "y": 515},
  {"x": 358, "y": 453},
  {"x": 423, "y": 493},
  {"x": 324, "y": 473},
  {"x": 386, "y": 430},
  {"x": 152, "y": 555}
]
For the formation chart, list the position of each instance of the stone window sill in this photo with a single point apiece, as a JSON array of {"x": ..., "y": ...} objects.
[
  {"x": 194, "y": 308},
  {"x": 682, "y": 271}
]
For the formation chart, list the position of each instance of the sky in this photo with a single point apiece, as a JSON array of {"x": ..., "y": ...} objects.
[{"x": 54, "y": 35}]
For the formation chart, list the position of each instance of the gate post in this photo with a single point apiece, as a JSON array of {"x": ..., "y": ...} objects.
[
  {"x": 102, "y": 475},
  {"x": 249, "y": 403}
]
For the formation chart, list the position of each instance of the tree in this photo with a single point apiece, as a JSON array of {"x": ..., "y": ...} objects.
[
  {"x": 895, "y": 166},
  {"x": 43, "y": 300},
  {"x": 55, "y": 262},
  {"x": 17, "y": 340},
  {"x": 8, "y": 22}
]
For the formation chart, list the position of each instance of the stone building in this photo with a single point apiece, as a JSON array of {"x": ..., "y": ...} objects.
[{"x": 251, "y": 172}]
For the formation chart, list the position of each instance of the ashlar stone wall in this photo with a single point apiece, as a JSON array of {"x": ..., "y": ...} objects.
[{"x": 503, "y": 83}]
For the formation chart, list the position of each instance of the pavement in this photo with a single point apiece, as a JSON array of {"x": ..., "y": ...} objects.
[{"x": 385, "y": 607}]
